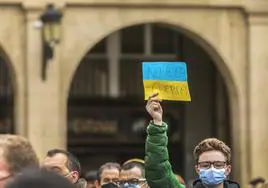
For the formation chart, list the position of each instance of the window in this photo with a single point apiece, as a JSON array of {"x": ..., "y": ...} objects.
[
  {"x": 132, "y": 40},
  {"x": 165, "y": 40},
  {"x": 92, "y": 79},
  {"x": 106, "y": 110},
  {"x": 114, "y": 66}
]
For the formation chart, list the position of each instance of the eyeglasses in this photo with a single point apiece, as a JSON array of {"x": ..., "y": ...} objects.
[
  {"x": 216, "y": 164},
  {"x": 133, "y": 181},
  {"x": 130, "y": 182}
]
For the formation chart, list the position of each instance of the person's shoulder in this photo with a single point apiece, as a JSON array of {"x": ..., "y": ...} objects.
[
  {"x": 227, "y": 183},
  {"x": 198, "y": 184},
  {"x": 231, "y": 184}
]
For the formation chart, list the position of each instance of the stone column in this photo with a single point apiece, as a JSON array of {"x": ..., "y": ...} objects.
[
  {"x": 258, "y": 86},
  {"x": 44, "y": 113}
]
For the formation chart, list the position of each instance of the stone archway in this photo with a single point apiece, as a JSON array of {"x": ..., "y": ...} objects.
[
  {"x": 13, "y": 48},
  {"x": 219, "y": 45},
  {"x": 7, "y": 119},
  {"x": 111, "y": 73}
]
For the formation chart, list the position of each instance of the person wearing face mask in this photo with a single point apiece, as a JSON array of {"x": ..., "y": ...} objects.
[
  {"x": 132, "y": 174},
  {"x": 213, "y": 164},
  {"x": 212, "y": 156},
  {"x": 108, "y": 176},
  {"x": 65, "y": 164}
]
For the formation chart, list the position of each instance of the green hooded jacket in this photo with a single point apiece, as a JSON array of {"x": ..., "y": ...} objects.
[{"x": 158, "y": 170}]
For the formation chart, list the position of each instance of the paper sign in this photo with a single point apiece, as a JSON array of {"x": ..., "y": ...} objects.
[{"x": 168, "y": 79}]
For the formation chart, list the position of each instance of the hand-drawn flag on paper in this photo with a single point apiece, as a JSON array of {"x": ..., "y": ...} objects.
[{"x": 168, "y": 79}]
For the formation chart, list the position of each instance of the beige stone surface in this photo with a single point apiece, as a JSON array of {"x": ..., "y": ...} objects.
[
  {"x": 258, "y": 76},
  {"x": 222, "y": 30},
  {"x": 12, "y": 41},
  {"x": 44, "y": 126}
]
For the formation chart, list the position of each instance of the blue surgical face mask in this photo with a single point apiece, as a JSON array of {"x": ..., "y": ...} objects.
[{"x": 212, "y": 176}]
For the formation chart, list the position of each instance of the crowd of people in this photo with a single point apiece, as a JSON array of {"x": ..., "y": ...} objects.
[{"x": 20, "y": 167}]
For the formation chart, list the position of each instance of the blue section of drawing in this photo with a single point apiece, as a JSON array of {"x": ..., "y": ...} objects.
[{"x": 164, "y": 71}]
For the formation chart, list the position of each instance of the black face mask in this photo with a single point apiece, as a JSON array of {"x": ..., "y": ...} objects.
[{"x": 110, "y": 185}]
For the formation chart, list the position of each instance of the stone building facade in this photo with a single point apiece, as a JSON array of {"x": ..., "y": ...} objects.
[{"x": 233, "y": 34}]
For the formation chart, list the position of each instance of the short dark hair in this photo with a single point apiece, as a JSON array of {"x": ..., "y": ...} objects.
[
  {"x": 107, "y": 166},
  {"x": 91, "y": 175},
  {"x": 18, "y": 153},
  {"x": 81, "y": 183},
  {"x": 73, "y": 163},
  {"x": 133, "y": 164},
  {"x": 39, "y": 178}
]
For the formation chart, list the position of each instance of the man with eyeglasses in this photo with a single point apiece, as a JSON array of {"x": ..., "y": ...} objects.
[
  {"x": 212, "y": 156},
  {"x": 65, "y": 164},
  {"x": 132, "y": 174}
]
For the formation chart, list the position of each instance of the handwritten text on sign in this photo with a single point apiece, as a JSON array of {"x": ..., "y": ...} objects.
[{"x": 169, "y": 79}]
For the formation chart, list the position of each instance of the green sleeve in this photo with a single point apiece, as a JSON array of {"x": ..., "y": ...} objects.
[{"x": 158, "y": 170}]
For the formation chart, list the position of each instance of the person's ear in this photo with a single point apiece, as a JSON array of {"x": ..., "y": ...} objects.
[
  {"x": 97, "y": 184},
  {"x": 75, "y": 176},
  {"x": 228, "y": 170},
  {"x": 196, "y": 169}
]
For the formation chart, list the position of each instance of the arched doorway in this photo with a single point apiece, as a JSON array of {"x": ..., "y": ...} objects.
[
  {"x": 106, "y": 116},
  {"x": 6, "y": 97}
]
